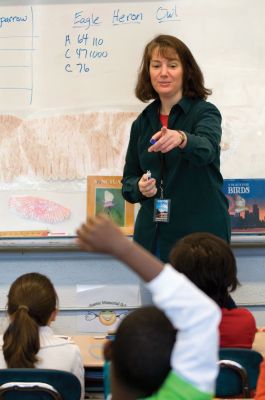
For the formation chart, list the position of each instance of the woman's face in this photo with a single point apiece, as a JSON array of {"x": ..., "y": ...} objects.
[{"x": 166, "y": 74}]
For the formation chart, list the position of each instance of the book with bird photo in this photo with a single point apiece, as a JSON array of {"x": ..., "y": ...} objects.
[
  {"x": 104, "y": 196},
  {"x": 246, "y": 205}
]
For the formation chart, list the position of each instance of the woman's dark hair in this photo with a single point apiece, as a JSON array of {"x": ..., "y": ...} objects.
[
  {"x": 142, "y": 349},
  {"x": 31, "y": 301},
  {"x": 209, "y": 263},
  {"x": 193, "y": 81}
]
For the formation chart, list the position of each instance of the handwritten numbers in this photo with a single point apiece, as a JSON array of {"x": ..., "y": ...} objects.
[
  {"x": 76, "y": 55},
  {"x": 81, "y": 53},
  {"x": 97, "y": 41},
  {"x": 83, "y": 67},
  {"x": 82, "y": 39}
]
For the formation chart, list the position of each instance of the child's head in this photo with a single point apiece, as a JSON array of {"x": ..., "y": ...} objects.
[
  {"x": 208, "y": 262},
  {"x": 140, "y": 353},
  {"x": 32, "y": 302}
]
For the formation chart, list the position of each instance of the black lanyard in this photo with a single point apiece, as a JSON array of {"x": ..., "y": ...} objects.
[{"x": 162, "y": 170}]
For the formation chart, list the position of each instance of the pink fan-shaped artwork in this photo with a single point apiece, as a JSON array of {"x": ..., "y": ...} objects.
[{"x": 38, "y": 209}]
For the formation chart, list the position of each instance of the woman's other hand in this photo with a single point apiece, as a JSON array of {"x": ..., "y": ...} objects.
[{"x": 147, "y": 186}]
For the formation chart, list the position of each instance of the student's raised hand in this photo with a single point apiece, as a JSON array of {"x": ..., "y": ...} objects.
[
  {"x": 166, "y": 140},
  {"x": 101, "y": 235}
]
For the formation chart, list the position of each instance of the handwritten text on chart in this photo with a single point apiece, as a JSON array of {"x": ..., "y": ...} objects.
[
  {"x": 85, "y": 20},
  {"x": 81, "y": 19},
  {"x": 12, "y": 19},
  {"x": 81, "y": 49}
]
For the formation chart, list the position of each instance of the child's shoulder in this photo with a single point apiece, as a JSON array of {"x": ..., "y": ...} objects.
[{"x": 174, "y": 385}]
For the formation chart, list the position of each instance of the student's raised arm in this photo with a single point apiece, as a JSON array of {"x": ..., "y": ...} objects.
[{"x": 196, "y": 317}]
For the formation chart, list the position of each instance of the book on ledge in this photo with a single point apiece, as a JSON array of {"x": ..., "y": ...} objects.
[
  {"x": 246, "y": 205},
  {"x": 104, "y": 196}
]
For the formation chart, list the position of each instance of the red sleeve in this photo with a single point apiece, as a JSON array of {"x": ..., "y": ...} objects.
[{"x": 260, "y": 391}]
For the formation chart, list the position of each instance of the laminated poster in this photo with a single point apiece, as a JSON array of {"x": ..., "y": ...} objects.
[{"x": 106, "y": 306}]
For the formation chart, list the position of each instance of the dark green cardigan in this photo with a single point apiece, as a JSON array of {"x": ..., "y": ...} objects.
[{"x": 192, "y": 178}]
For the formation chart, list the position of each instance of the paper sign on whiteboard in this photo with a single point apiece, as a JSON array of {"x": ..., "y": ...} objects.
[{"x": 108, "y": 305}]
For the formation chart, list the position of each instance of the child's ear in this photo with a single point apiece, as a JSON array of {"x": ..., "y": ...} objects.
[
  {"x": 107, "y": 350},
  {"x": 52, "y": 317}
]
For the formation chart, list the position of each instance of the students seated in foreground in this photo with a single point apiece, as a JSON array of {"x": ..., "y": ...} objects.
[
  {"x": 28, "y": 341},
  {"x": 152, "y": 357},
  {"x": 209, "y": 263}
]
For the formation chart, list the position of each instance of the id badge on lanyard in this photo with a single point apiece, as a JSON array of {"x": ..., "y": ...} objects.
[{"x": 161, "y": 210}]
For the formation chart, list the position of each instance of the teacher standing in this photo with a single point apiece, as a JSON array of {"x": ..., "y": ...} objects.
[{"x": 176, "y": 139}]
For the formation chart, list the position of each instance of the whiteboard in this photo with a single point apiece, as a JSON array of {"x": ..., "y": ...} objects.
[
  {"x": 77, "y": 54},
  {"x": 67, "y": 81}
]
